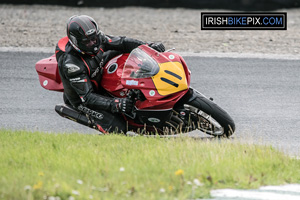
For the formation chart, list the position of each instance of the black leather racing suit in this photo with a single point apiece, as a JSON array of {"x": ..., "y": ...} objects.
[{"x": 81, "y": 75}]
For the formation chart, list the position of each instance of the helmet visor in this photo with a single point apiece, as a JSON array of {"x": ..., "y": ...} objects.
[
  {"x": 90, "y": 44},
  {"x": 90, "y": 41}
]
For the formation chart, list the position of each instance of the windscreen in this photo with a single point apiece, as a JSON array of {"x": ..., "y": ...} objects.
[{"x": 140, "y": 65}]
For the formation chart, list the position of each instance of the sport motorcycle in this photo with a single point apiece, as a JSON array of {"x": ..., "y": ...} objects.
[{"x": 159, "y": 85}]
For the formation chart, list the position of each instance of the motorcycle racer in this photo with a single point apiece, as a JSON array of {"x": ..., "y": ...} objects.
[{"x": 80, "y": 57}]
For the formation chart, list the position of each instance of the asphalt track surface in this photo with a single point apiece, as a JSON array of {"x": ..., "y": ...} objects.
[{"x": 261, "y": 95}]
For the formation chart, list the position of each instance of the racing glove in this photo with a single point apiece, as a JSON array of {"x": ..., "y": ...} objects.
[
  {"x": 157, "y": 46},
  {"x": 121, "y": 105}
]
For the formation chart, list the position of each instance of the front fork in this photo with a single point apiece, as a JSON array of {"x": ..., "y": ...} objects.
[{"x": 181, "y": 117}]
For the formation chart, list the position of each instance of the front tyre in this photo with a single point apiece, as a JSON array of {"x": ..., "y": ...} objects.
[{"x": 209, "y": 117}]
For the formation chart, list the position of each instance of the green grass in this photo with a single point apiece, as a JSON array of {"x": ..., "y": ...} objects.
[{"x": 37, "y": 165}]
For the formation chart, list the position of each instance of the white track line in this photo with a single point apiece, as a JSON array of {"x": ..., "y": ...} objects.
[
  {"x": 252, "y": 194},
  {"x": 284, "y": 188},
  {"x": 243, "y": 55}
]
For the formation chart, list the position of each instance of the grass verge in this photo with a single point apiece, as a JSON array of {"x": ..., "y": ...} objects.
[{"x": 36, "y": 165}]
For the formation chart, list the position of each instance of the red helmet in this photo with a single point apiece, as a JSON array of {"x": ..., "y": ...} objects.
[{"x": 84, "y": 34}]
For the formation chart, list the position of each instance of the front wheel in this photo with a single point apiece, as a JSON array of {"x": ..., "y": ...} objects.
[{"x": 208, "y": 117}]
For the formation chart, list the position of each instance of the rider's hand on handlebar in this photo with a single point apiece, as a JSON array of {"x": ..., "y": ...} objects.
[
  {"x": 157, "y": 46},
  {"x": 121, "y": 105}
]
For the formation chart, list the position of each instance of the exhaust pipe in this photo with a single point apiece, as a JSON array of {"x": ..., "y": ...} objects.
[{"x": 72, "y": 114}]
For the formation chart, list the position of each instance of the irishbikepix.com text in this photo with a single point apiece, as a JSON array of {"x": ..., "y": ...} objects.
[{"x": 243, "y": 21}]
